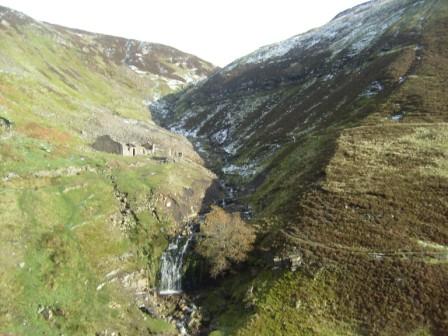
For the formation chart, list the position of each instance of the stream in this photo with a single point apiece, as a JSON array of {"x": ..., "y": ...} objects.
[
  {"x": 172, "y": 264},
  {"x": 170, "y": 281}
]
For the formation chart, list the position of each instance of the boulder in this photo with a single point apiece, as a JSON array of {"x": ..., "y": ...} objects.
[{"x": 5, "y": 125}]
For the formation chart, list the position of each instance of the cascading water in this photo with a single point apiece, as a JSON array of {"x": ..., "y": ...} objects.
[{"x": 171, "y": 266}]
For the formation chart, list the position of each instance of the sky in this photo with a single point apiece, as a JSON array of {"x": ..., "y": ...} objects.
[{"x": 218, "y": 31}]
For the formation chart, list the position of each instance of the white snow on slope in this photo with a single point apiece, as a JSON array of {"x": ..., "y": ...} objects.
[{"x": 355, "y": 29}]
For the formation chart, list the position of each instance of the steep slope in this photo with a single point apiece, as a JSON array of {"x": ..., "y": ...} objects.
[
  {"x": 155, "y": 61},
  {"x": 338, "y": 140},
  {"x": 270, "y": 97},
  {"x": 82, "y": 231}
]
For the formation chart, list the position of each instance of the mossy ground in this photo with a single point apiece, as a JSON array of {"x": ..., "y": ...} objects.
[
  {"x": 58, "y": 196},
  {"x": 363, "y": 198},
  {"x": 59, "y": 241}
]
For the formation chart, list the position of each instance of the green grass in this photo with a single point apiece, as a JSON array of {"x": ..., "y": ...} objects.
[
  {"x": 340, "y": 188},
  {"x": 355, "y": 182},
  {"x": 57, "y": 196},
  {"x": 296, "y": 305},
  {"x": 59, "y": 230}
]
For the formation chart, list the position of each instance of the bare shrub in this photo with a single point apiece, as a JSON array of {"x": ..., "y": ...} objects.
[{"x": 225, "y": 238}]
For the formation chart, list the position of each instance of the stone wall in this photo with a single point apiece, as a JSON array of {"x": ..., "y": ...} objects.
[
  {"x": 106, "y": 144},
  {"x": 134, "y": 150}
]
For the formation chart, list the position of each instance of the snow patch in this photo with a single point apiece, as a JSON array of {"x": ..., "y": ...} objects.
[
  {"x": 328, "y": 77},
  {"x": 145, "y": 48},
  {"x": 174, "y": 84},
  {"x": 130, "y": 121},
  {"x": 244, "y": 170},
  {"x": 221, "y": 136},
  {"x": 354, "y": 29},
  {"x": 137, "y": 70},
  {"x": 397, "y": 117},
  {"x": 374, "y": 89}
]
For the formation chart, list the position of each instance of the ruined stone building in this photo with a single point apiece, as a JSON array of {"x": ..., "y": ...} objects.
[
  {"x": 174, "y": 154},
  {"x": 106, "y": 144}
]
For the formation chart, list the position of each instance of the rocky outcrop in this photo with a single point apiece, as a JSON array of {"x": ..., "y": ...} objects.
[
  {"x": 5, "y": 125},
  {"x": 292, "y": 261}
]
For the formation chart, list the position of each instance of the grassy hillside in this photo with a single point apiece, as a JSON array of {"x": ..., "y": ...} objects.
[
  {"x": 81, "y": 231},
  {"x": 339, "y": 146},
  {"x": 343, "y": 157}
]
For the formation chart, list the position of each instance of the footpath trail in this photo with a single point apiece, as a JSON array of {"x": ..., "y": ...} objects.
[{"x": 439, "y": 256}]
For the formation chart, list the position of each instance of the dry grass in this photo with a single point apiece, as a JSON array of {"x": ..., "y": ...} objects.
[
  {"x": 383, "y": 188},
  {"x": 40, "y": 132}
]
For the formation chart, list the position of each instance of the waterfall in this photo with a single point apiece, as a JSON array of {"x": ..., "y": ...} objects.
[{"x": 171, "y": 266}]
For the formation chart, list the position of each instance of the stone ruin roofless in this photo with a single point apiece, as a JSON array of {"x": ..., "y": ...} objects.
[{"x": 106, "y": 144}]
